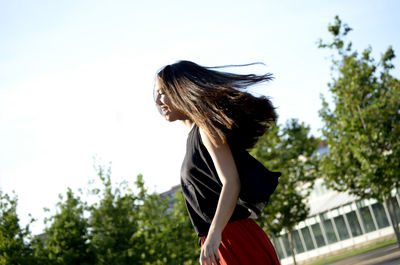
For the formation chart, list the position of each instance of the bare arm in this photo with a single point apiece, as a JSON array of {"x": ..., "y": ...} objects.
[{"x": 228, "y": 174}]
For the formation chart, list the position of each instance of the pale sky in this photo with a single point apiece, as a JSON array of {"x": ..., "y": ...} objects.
[{"x": 76, "y": 79}]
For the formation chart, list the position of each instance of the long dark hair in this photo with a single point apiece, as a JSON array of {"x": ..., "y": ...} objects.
[{"x": 215, "y": 101}]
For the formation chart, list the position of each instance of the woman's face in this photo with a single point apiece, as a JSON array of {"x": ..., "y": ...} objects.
[{"x": 167, "y": 109}]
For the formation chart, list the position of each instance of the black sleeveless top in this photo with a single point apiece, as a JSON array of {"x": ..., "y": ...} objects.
[{"x": 201, "y": 185}]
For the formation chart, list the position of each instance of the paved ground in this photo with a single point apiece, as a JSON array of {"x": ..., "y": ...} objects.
[{"x": 389, "y": 255}]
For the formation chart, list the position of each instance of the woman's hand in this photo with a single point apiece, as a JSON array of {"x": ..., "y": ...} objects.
[{"x": 209, "y": 251}]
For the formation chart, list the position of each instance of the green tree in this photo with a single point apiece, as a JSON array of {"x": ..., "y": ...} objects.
[
  {"x": 114, "y": 223},
  {"x": 15, "y": 248},
  {"x": 182, "y": 241},
  {"x": 66, "y": 239},
  {"x": 167, "y": 230},
  {"x": 362, "y": 129},
  {"x": 140, "y": 228},
  {"x": 152, "y": 227},
  {"x": 122, "y": 227},
  {"x": 292, "y": 151}
]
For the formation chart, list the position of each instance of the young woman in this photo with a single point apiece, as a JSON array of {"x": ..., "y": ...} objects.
[{"x": 224, "y": 122}]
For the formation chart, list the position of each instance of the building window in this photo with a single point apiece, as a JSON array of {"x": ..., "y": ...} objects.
[
  {"x": 396, "y": 206},
  {"x": 297, "y": 242},
  {"x": 278, "y": 248},
  {"x": 307, "y": 238},
  {"x": 354, "y": 224},
  {"x": 341, "y": 227},
  {"x": 367, "y": 219},
  {"x": 319, "y": 238},
  {"x": 286, "y": 245},
  {"x": 329, "y": 232},
  {"x": 380, "y": 215}
]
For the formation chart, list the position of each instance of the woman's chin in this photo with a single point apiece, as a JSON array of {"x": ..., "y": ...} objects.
[{"x": 169, "y": 118}]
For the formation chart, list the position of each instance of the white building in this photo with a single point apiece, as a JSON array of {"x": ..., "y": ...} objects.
[{"x": 337, "y": 222}]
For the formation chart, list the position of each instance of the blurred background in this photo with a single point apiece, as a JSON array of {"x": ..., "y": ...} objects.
[{"x": 77, "y": 77}]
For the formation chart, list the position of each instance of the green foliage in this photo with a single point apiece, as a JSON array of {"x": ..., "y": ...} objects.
[
  {"x": 180, "y": 229},
  {"x": 166, "y": 227},
  {"x": 143, "y": 228},
  {"x": 122, "y": 227},
  {"x": 114, "y": 223},
  {"x": 292, "y": 151},
  {"x": 362, "y": 130},
  {"x": 14, "y": 248},
  {"x": 339, "y": 31},
  {"x": 66, "y": 239}
]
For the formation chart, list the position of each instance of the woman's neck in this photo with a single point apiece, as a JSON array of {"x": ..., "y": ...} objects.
[{"x": 188, "y": 123}]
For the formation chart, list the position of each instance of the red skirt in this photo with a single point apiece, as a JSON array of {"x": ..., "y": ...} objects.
[{"x": 245, "y": 243}]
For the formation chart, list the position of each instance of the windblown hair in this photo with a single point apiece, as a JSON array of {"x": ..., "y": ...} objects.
[{"x": 216, "y": 102}]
